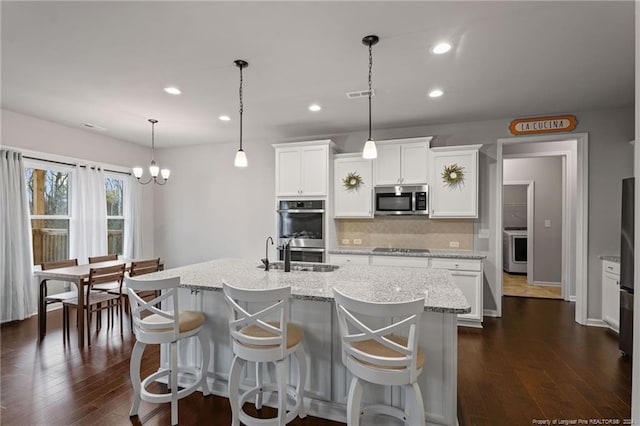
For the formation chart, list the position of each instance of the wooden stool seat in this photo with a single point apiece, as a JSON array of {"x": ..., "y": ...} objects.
[
  {"x": 375, "y": 348},
  {"x": 295, "y": 334}
]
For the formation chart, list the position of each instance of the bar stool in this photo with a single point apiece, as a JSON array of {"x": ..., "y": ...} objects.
[
  {"x": 163, "y": 326},
  {"x": 376, "y": 356},
  {"x": 262, "y": 335}
]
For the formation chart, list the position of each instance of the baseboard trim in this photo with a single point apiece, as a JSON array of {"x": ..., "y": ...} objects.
[
  {"x": 572, "y": 298},
  {"x": 595, "y": 322},
  {"x": 491, "y": 313},
  {"x": 546, "y": 284}
]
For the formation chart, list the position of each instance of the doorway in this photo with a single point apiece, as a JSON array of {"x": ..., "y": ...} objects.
[
  {"x": 520, "y": 229},
  {"x": 572, "y": 151}
]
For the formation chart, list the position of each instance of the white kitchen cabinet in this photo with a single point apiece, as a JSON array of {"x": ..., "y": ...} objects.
[
  {"x": 406, "y": 261},
  {"x": 611, "y": 294},
  {"x": 402, "y": 161},
  {"x": 467, "y": 274},
  {"x": 459, "y": 201},
  {"x": 352, "y": 203},
  {"x": 348, "y": 259},
  {"x": 302, "y": 168}
]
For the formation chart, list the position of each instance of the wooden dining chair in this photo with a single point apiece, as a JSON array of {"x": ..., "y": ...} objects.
[
  {"x": 139, "y": 267},
  {"x": 106, "y": 258},
  {"x": 57, "y": 297},
  {"x": 95, "y": 302}
]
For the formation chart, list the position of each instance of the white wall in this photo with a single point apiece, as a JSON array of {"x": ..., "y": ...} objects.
[
  {"x": 30, "y": 133},
  {"x": 212, "y": 209},
  {"x": 546, "y": 173}
]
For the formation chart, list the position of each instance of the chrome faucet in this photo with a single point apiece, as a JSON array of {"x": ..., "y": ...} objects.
[{"x": 265, "y": 261}]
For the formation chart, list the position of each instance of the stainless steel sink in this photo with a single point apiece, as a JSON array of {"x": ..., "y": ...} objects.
[{"x": 306, "y": 267}]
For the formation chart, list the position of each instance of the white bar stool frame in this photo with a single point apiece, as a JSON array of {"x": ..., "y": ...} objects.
[
  {"x": 377, "y": 356},
  {"x": 163, "y": 326},
  {"x": 256, "y": 339}
]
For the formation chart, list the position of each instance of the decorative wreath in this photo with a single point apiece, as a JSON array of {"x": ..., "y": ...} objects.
[
  {"x": 453, "y": 175},
  {"x": 352, "y": 181}
]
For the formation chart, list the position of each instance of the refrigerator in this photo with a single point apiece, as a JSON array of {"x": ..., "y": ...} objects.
[{"x": 626, "y": 267}]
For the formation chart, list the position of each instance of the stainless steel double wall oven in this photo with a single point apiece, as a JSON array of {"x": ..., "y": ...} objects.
[{"x": 302, "y": 223}]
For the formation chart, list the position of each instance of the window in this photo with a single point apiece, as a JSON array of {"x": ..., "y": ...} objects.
[
  {"x": 48, "y": 194},
  {"x": 115, "y": 217}
]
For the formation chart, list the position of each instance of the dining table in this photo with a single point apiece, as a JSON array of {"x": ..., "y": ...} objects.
[{"x": 78, "y": 275}]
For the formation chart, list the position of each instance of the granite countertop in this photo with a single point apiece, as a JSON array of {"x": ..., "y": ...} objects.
[
  {"x": 378, "y": 284},
  {"x": 453, "y": 254},
  {"x": 610, "y": 258}
]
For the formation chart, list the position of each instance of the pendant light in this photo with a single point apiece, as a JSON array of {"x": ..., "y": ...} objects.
[
  {"x": 154, "y": 170},
  {"x": 241, "y": 157},
  {"x": 370, "y": 151}
]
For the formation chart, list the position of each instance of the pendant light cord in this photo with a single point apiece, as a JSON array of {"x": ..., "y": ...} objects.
[
  {"x": 370, "y": 67},
  {"x": 241, "y": 107}
]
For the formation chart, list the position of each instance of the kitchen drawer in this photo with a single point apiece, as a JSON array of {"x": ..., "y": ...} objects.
[
  {"x": 611, "y": 267},
  {"x": 413, "y": 262},
  {"x": 349, "y": 259},
  {"x": 457, "y": 264}
]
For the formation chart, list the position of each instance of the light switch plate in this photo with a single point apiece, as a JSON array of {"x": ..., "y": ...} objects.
[
  {"x": 345, "y": 241},
  {"x": 547, "y": 223},
  {"x": 484, "y": 233},
  {"x": 357, "y": 241},
  {"x": 454, "y": 244}
]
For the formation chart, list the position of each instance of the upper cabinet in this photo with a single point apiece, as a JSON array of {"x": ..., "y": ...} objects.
[
  {"x": 403, "y": 161},
  {"x": 354, "y": 199},
  {"x": 454, "y": 189},
  {"x": 302, "y": 168}
]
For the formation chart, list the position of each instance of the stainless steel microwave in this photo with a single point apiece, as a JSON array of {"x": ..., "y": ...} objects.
[{"x": 402, "y": 200}]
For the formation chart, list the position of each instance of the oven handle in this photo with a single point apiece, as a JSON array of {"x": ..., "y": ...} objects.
[
  {"x": 300, "y": 211},
  {"x": 310, "y": 249}
]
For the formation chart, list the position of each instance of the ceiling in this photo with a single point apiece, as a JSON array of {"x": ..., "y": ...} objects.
[{"x": 106, "y": 63}]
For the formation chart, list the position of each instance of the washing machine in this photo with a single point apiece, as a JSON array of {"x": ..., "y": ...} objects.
[{"x": 514, "y": 250}]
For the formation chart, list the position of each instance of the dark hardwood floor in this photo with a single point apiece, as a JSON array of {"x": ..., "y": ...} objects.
[{"x": 534, "y": 363}]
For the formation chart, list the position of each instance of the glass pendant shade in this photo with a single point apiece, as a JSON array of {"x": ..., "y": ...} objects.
[
  {"x": 154, "y": 170},
  {"x": 369, "y": 152},
  {"x": 241, "y": 159},
  {"x": 165, "y": 173},
  {"x": 137, "y": 172}
]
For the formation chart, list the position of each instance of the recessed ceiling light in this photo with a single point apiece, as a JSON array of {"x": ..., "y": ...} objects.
[
  {"x": 315, "y": 107},
  {"x": 224, "y": 118},
  {"x": 172, "y": 90},
  {"x": 436, "y": 93},
  {"x": 441, "y": 48}
]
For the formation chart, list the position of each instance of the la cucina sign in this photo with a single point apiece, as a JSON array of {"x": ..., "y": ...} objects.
[{"x": 559, "y": 123}]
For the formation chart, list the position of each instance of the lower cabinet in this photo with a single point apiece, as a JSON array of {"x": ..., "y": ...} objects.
[
  {"x": 611, "y": 294},
  {"x": 346, "y": 259},
  {"x": 467, "y": 274}
]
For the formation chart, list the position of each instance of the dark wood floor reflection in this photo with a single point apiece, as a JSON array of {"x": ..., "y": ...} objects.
[{"x": 534, "y": 363}]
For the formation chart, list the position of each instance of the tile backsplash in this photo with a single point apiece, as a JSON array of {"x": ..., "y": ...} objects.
[{"x": 407, "y": 232}]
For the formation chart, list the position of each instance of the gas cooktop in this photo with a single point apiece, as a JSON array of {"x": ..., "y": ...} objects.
[{"x": 400, "y": 250}]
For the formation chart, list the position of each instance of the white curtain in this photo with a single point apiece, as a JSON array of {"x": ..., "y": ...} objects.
[
  {"x": 18, "y": 294},
  {"x": 132, "y": 194},
  {"x": 88, "y": 227}
]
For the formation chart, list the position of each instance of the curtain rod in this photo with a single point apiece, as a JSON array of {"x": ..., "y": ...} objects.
[{"x": 71, "y": 164}]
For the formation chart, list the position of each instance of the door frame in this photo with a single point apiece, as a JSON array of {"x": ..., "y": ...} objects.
[{"x": 580, "y": 274}]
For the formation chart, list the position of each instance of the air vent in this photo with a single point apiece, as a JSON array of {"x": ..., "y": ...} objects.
[
  {"x": 361, "y": 94},
  {"x": 93, "y": 126}
]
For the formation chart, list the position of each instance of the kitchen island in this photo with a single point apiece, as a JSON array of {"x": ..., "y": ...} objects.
[{"x": 312, "y": 308}]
